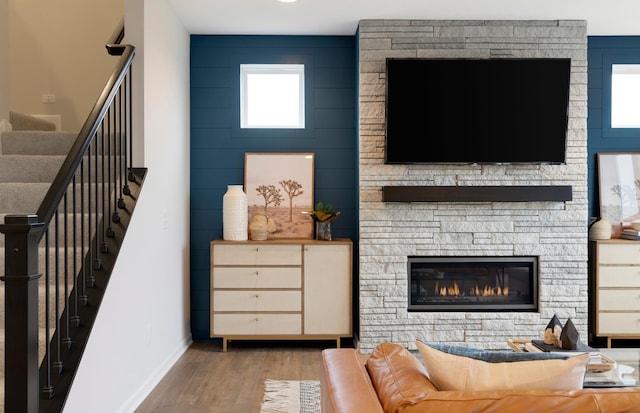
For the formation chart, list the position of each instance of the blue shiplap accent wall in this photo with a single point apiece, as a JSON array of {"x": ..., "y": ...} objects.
[
  {"x": 600, "y": 52},
  {"x": 218, "y": 144}
]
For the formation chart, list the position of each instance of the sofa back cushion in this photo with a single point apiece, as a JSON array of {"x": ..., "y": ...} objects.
[
  {"x": 453, "y": 372},
  {"x": 499, "y": 356}
]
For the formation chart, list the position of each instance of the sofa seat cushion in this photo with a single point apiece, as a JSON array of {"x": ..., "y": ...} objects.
[
  {"x": 614, "y": 400},
  {"x": 452, "y": 372}
]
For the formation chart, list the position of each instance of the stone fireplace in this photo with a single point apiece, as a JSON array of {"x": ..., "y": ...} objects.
[
  {"x": 554, "y": 231},
  {"x": 473, "y": 283}
]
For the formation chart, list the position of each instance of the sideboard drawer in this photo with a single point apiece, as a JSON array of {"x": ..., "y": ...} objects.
[
  {"x": 619, "y": 324},
  {"x": 258, "y": 277},
  {"x": 256, "y": 324},
  {"x": 259, "y": 300},
  {"x": 619, "y": 253},
  {"x": 623, "y": 276},
  {"x": 619, "y": 300},
  {"x": 253, "y": 254}
]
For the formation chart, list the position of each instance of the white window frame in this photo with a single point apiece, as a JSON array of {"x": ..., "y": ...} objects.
[
  {"x": 625, "y": 95},
  {"x": 270, "y": 117}
]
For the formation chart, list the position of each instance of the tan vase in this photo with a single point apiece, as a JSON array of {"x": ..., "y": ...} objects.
[
  {"x": 260, "y": 227},
  {"x": 600, "y": 229}
]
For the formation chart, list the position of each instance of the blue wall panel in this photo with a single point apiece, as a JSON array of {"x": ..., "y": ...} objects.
[
  {"x": 218, "y": 145},
  {"x": 600, "y": 50}
]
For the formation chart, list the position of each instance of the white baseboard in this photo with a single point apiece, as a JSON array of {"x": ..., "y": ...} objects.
[{"x": 146, "y": 388}]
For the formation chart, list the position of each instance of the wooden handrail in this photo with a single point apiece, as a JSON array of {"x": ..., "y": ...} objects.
[
  {"x": 113, "y": 45},
  {"x": 62, "y": 180}
]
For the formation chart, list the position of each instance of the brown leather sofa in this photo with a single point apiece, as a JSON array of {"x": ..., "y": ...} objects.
[{"x": 394, "y": 380}]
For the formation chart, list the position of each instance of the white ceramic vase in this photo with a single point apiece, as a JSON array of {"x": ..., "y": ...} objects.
[{"x": 235, "y": 214}]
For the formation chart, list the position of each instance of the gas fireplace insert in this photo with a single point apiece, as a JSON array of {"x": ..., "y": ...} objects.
[{"x": 475, "y": 284}]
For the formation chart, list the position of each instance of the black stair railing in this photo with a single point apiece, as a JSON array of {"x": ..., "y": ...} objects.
[{"x": 58, "y": 260}]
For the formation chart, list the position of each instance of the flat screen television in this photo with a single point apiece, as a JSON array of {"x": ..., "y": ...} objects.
[{"x": 476, "y": 111}]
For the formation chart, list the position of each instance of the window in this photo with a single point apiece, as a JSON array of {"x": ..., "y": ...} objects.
[
  {"x": 620, "y": 96},
  {"x": 625, "y": 96},
  {"x": 272, "y": 96}
]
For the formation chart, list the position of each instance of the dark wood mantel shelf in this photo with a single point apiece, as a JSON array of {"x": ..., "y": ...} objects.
[{"x": 509, "y": 193}]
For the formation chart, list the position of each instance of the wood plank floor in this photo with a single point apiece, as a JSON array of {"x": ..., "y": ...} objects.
[{"x": 205, "y": 379}]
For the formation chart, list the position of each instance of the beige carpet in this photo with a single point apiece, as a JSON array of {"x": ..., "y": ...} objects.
[{"x": 291, "y": 396}]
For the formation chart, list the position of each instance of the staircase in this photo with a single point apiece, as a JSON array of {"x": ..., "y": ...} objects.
[
  {"x": 78, "y": 249},
  {"x": 29, "y": 161},
  {"x": 66, "y": 200}
]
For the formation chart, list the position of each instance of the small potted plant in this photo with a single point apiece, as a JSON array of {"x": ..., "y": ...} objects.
[{"x": 324, "y": 215}]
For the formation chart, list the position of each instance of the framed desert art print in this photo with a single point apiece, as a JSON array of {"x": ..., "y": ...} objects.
[
  {"x": 280, "y": 186},
  {"x": 619, "y": 185}
]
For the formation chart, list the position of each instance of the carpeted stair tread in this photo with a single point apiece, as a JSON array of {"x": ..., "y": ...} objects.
[
  {"x": 37, "y": 142},
  {"x": 22, "y": 198},
  {"x": 25, "y": 198},
  {"x": 90, "y": 219},
  {"x": 29, "y": 168},
  {"x": 41, "y": 304},
  {"x": 29, "y": 161},
  {"x": 41, "y": 258}
]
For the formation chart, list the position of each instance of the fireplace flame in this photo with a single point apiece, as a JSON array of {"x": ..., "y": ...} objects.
[
  {"x": 491, "y": 291},
  {"x": 486, "y": 291},
  {"x": 453, "y": 290}
]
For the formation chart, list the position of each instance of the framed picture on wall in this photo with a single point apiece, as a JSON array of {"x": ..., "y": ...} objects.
[
  {"x": 619, "y": 185},
  {"x": 280, "y": 186}
]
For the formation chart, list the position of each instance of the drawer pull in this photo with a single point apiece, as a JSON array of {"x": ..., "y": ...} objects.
[
  {"x": 257, "y": 272},
  {"x": 257, "y": 319},
  {"x": 257, "y": 296}
]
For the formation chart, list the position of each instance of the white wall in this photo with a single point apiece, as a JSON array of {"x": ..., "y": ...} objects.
[
  {"x": 53, "y": 51},
  {"x": 143, "y": 326},
  {"x": 4, "y": 60}
]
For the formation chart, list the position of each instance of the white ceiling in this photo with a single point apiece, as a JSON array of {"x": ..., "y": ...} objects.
[{"x": 340, "y": 17}]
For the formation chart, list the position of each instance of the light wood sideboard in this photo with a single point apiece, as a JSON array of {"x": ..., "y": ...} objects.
[
  {"x": 281, "y": 290},
  {"x": 615, "y": 295}
]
